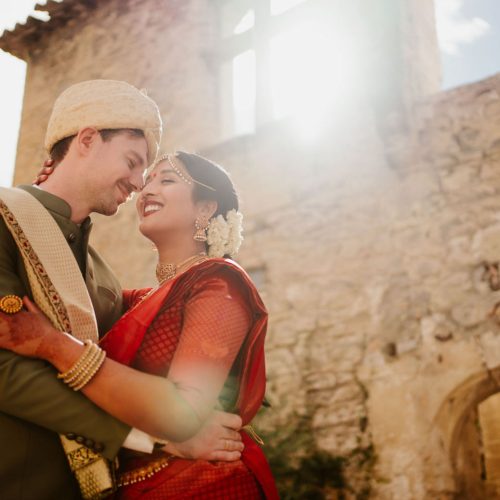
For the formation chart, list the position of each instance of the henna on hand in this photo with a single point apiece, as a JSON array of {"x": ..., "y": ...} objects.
[
  {"x": 26, "y": 333},
  {"x": 19, "y": 335}
]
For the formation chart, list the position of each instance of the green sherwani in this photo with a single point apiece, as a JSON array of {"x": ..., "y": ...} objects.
[{"x": 34, "y": 405}]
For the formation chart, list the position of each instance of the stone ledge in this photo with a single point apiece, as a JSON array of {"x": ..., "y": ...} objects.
[{"x": 25, "y": 36}]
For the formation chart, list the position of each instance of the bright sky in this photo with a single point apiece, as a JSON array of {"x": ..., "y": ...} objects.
[
  {"x": 468, "y": 30},
  {"x": 13, "y": 72},
  {"x": 469, "y": 37}
]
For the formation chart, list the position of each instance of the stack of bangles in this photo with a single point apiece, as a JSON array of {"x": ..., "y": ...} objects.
[{"x": 85, "y": 368}]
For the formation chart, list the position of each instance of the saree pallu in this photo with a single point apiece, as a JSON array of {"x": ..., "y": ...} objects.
[{"x": 249, "y": 477}]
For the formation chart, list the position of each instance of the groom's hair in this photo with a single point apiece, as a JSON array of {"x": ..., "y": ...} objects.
[{"x": 60, "y": 148}]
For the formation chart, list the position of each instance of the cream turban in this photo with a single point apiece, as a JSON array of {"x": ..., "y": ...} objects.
[{"x": 104, "y": 104}]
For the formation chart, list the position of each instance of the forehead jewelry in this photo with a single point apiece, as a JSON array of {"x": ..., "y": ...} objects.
[{"x": 184, "y": 176}]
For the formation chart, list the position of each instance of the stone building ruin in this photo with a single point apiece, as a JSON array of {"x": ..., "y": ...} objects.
[{"x": 375, "y": 244}]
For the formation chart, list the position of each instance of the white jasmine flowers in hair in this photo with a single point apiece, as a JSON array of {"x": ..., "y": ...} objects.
[
  {"x": 235, "y": 222},
  {"x": 217, "y": 236},
  {"x": 224, "y": 234}
]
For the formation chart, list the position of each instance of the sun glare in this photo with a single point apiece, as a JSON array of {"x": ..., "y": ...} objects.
[
  {"x": 309, "y": 67},
  {"x": 306, "y": 69},
  {"x": 244, "y": 83},
  {"x": 309, "y": 74},
  {"x": 247, "y": 22},
  {"x": 302, "y": 74},
  {"x": 280, "y": 6}
]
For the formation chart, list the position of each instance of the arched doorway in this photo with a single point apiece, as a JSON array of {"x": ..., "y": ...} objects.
[{"x": 468, "y": 423}]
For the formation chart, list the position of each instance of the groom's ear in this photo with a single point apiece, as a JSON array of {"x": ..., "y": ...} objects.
[{"x": 85, "y": 139}]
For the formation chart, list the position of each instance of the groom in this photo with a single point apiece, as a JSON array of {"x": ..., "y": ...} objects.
[{"x": 102, "y": 135}]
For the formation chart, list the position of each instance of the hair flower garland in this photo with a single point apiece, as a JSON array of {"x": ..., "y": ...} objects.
[{"x": 224, "y": 234}]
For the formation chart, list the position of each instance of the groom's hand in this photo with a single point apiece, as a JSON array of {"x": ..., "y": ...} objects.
[{"x": 218, "y": 439}]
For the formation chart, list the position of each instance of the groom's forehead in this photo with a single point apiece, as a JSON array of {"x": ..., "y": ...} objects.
[{"x": 129, "y": 144}]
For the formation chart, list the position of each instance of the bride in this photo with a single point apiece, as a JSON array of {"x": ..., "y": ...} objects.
[{"x": 194, "y": 342}]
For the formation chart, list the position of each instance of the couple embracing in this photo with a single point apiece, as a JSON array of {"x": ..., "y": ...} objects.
[{"x": 133, "y": 393}]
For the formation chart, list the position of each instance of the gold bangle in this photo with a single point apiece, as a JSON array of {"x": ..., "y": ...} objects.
[
  {"x": 89, "y": 361},
  {"x": 91, "y": 372},
  {"x": 88, "y": 372},
  {"x": 85, "y": 368},
  {"x": 78, "y": 363}
]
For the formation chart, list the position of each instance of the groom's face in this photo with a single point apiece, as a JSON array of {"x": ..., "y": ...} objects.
[{"x": 116, "y": 168}]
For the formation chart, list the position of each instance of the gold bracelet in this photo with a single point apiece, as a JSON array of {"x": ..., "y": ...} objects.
[
  {"x": 91, "y": 372},
  {"x": 85, "y": 368},
  {"x": 83, "y": 357},
  {"x": 90, "y": 360}
]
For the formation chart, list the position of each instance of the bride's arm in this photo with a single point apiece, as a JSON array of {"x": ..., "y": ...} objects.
[
  {"x": 145, "y": 401},
  {"x": 172, "y": 410}
]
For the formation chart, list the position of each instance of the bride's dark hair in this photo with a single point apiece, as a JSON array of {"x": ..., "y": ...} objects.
[{"x": 207, "y": 172}]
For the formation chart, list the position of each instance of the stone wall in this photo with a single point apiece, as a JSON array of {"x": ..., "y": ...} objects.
[
  {"x": 437, "y": 296},
  {"x": 375, "y": 245},
  {"x": 378, "y": 260}
]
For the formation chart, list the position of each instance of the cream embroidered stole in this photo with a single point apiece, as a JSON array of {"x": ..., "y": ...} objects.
[{"x": 60, "y": 292}]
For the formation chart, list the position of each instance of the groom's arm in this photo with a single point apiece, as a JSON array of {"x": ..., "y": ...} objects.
[
  {"x": 31, "y": 391},
  {"x": 29, "y": 388}
]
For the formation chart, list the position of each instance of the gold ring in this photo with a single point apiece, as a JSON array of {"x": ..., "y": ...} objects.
[{"x": 11, "y": 304}]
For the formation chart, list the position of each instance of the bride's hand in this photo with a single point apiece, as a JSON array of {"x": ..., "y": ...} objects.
[
  {"x": 27, "y": 332},
  {"x": 44, "y": 173},
  {"x": 218, "y": 439}
]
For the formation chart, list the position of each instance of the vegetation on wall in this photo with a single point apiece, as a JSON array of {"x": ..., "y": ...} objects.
[{"x": 304, "y": 471}]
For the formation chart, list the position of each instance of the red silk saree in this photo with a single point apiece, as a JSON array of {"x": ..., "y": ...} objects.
[{"x": 205, "y": 330}]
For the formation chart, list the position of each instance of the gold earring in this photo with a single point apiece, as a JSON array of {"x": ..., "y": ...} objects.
[{"x": 201, "y": 230}]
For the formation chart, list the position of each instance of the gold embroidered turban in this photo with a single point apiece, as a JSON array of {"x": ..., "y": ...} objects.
[{"x": 104, "y": 104}]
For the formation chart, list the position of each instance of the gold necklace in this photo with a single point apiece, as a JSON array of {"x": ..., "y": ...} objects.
[{"x": 166, "y": 272}]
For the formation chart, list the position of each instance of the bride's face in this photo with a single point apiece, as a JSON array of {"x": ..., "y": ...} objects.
[{"x": 165, "y": 204}]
